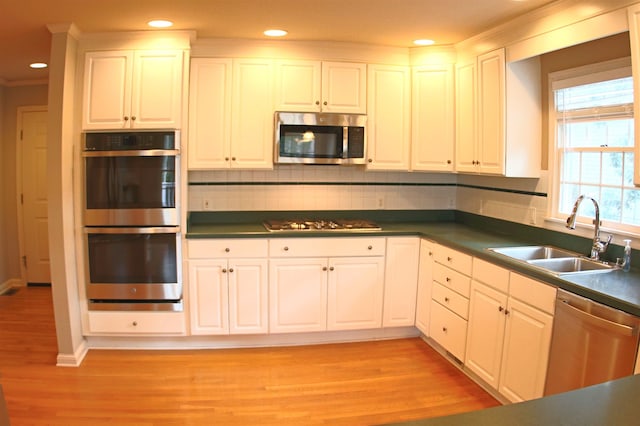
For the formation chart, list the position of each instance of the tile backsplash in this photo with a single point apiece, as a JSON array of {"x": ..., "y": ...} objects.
[{"x": 353, "y": 188}]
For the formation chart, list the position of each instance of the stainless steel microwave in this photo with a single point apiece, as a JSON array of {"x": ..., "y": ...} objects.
[{"x": 320, "y": 138}]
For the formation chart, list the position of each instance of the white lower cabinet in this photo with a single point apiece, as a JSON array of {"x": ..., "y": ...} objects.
[
  {"x": 228, "y": 295},
  {"x": 401, "y": 283},
  {"x": 509, "y": 331},
  {"x": 425, "y": 282},
  {"x": 339, "y": 292},
  {"x": 450, "y": 300}
]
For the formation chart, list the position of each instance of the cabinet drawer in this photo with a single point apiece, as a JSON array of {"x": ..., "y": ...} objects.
[
  {"x": 491, "y": 275},
  {"x": 137, "y": 322},
  {"x": 532, "y": 292},
  {"x": 327, "y": 247},
  {"x": 448, "y": 329},
  {"x": 214, "y": 248},
  {"x": 453, "y": 259},
  {"x": 451, "y": 300},
  {"x": 454, "y": 280}
]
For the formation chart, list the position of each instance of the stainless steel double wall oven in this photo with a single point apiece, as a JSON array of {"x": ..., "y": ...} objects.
[{"x": 132, "y": 220}]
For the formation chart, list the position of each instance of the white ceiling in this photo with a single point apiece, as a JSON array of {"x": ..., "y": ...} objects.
[{"x": 24, "y": 37}]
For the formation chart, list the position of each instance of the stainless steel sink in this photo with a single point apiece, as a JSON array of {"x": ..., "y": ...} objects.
[
  {"x": 554, "y": 260},
  {"x": 572, "y": 265},
  {"x": 527, "y": 253}
]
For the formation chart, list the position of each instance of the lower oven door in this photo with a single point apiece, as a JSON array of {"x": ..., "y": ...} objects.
[{"x": 133, "y": 268}]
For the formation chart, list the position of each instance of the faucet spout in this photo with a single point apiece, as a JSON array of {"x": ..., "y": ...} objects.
[{"x": 598, "y": 247}]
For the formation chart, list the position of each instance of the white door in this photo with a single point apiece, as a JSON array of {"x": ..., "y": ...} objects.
[
  {"x": 32, "y": 131},
  {"x": 248, "y": 296}
]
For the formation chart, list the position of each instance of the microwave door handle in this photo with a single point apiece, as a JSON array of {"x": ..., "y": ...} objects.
[{"x": 345, "y": 142}]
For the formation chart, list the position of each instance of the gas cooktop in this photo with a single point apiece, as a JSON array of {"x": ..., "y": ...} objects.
[{"x": 321, "y": 225}]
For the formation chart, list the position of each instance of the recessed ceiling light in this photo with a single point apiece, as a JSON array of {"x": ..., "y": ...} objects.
[
  {"x": 275, "y": 33},
  {"x": 423, "y": 42},
  {"x": 160, "y": 23},
  {"x": 38, "y": 65}
]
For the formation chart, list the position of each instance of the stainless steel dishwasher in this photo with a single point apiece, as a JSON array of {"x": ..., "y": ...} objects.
[{"x": 591, "y": 343}]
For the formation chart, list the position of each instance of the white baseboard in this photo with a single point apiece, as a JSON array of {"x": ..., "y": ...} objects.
[
  {"x": 75, "y": 359},
  {"x": 11, "y": 283}
]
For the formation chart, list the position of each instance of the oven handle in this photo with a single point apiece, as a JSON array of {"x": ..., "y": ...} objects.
[
  {"x": 133, "y": 230},
  {"x": 133, "y": 153}
]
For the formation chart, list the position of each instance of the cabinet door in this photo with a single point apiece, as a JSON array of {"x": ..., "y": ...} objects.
[
  {"x": 433, "y": 122},
  {"x": 157, "y": 89},
  {"x": 401, "y": 281},
  {"x": 389, "y": 117},
  {"x": 355, "y": 293},
  {"x": 208, "y": 297},
  {"x": 107, "y": 90},
  {"x": 209, "y": 114},
  {"x": 491, "y": 112},
  {"x": 297, "y": 86},
  {"x": 526, "y": 352},
  {"x": 466, "y": 117},
  {"x": 485, "y": 332},
  {"x": 248, "y": 296},
  {"x": 297, "y": 295},
  {"x": 425, "y": 282},
  {"x": 252, "y": 115},
  {"x": 344, "y": 87}
]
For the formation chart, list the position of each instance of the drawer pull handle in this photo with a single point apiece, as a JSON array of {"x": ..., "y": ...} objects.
[
  {"x": 135, "y": 323},
  {"x": 500, "y": 309},
  {"x": 370, "y": 247},
  {"x": 444, "y": 329},
  {"x": 449, "y": 259},
  {"x": 446, "y": 299},
  {"x": 448, "y": 279},
  {"x": 227, "y": 249},
  {"x": 286, "y": 248}
]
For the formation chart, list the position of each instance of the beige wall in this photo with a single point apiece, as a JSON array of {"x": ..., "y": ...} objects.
[
  {"x": 605, "y": 49},
  {"x": 13, "y": 98}
]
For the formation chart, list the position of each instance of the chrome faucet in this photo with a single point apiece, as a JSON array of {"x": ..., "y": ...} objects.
[{"x": 598, "y": 247}]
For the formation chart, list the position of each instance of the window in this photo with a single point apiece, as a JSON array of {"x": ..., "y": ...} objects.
[{"x": 592, "y": 120}]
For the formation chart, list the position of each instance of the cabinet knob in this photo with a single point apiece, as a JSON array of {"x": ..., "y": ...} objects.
[
  {"x": 317, "y": 102},
  {"x": 230, "y": 270},
  {"x": 126, "y": 118},
  {"x": 370, "y": 247},
  {"x": 370, "y": 160},
  {"x": 324, "y": 268},
  {"x": 133, "y": 118},
  {"x": 500, "y": 309},
  {"x": 227, "y": 249},
  {"x": 448, "y": 279},
  {"x": 506, "y": 312},
  {"x": 233, "y": 158},
  {"x": 448, "y": 161},
  {"x": 444, "y": 329},
  {"x": 331, "y": 268},
  {"x": 446, "y": 299},
  {"x": 449, "y": 259},
  {"x": 285, "y": 248},
  {"x": 325, "y": 103},
  {"x": 430, "y": 253},
  {"x": 226, "y": 158},
  {"x": 224, "y": 270},
  {"x": 135, "y": 323}
]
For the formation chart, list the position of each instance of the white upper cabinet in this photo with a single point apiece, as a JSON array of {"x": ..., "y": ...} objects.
[
  {"x": 224, "y": 96},
  {"x": 210, "y": 113},
  {"x": 132, "y": 89},
  {"x": 389, "y": 117},
  {"x": 498, "y": 116},
  {"x": 433, "y": 118},
  {"x": 313, "y": 86}
]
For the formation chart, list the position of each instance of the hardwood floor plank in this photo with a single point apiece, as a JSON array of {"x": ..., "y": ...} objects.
[{"x": 360, "y": 383}]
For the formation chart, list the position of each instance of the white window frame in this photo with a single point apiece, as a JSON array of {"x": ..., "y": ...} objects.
[{"x": 593, "y": 73}]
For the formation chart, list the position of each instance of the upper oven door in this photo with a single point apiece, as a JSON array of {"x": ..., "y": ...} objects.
[{"x": 126, "y": 188}]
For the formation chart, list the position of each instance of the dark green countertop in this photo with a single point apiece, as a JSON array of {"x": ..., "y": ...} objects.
[
  {"x": 465, "y": 232},
  {"x": 606, "y": 404}
]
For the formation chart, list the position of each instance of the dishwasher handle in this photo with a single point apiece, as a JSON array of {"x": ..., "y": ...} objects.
[{"x": 597, "y": 321}]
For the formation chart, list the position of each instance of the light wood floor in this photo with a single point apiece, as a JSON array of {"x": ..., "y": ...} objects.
[{"x": 343, "y": 384}]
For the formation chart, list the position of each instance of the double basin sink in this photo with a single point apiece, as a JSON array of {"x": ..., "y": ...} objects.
[{"x": 554, "y": 260}]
